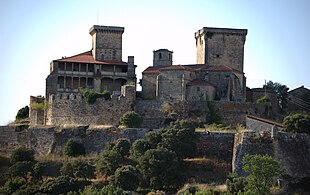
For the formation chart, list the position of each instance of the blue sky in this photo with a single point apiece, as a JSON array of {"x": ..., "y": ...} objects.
[{"x": 33, "y": 33}]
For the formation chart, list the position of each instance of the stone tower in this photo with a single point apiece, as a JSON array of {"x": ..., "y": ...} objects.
[
  {"x": 221, "y": 46},
  {"x": 106, "y": 42},
  {"x": 162, "y": 57}
]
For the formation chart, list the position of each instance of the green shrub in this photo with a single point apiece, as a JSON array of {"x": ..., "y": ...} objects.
[
  {"x": 263, "y": 171},
  {"x": 131, "y": 119},
  {"x": 22, "y": 154},
  {"x": 78, "y": 169},
  {"x": 73, "y": 148},
  {"x": 297, "y": 123},
  {"x": 21, "y": 169},
  {"x": 263, "y": 99},
  {"x": 90, "y": 96},
  {"x": 62, "y": 185},
  {"x": 12, "y": 185},
  {"x": 139, "y": 147},
  {"x": 122, "y": 146},
  {"x": 235, "y": 184},
  {"x": 127, "y": 177},
  {"x": 108, "y": 162},
  {"x": 22, "y": 113}
]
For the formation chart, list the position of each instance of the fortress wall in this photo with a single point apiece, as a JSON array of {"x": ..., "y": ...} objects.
[
  {"x": 292, "y": 150},
  {"x": 78, "y": 112},
  {"x": 151, "y": 111},
  {"x": 46, "y": 140},
  {"x": 234, "y": 113},
  {"x": 12, "y": 137},
  {"x": 217, "y": 145}
]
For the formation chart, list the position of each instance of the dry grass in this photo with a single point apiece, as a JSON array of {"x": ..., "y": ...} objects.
[
  {"x": 202, "y": 188},
  {"x": 204, "y": 170},
  {"x": 60, "y": 158},
  {"x": 222, "y": 128}
]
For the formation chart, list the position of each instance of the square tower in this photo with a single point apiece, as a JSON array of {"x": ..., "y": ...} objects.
[
  {"x": 106, "y": 42},
  {"x": 221, "y": 46}
]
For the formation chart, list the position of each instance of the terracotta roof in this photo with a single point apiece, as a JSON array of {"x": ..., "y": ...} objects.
[
  {"x": 265, "y": 120},
  {"x": 176, "y": 67},
  {"x": 215, "y": 68},
  {"x": 151, "y": 69},
  {"x": 198, "y": 82},
  {"x": 87, "y": 57}
]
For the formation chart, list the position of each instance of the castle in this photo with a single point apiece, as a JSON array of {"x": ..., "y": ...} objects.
[{"x": 217, "y": 77}]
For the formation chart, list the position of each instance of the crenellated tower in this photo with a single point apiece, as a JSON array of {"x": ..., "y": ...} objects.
[
  {"x": 106, "y": 42},
  {"x": 221, "y": 46}
]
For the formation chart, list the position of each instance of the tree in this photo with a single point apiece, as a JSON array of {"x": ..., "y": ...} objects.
[
  {"x": 139, "y": 147},
  {"x": 22, "y": 154},
  {"x": 127, "y": 177},
  {"x": 12, "y": 185},
  {"x": 73, "y": 148},
  {"x": 131, "y": 119},
  {"x": 122, "y": 146},
  {"x": 109, "y": 161},
  {"x": 153, "y": 138},
  {"x": 181, "y": 138},
  {"x": 78, "y": 169},
  {"x": 282, "y": 92},
  {"x": 61, "y": 185},
  {"x": 160, "y": 169},
  {"x": 297, "y": 123},
  {"x": 263, "y": 170},
  {"x": 21, "y": 169},
  {"x": 22, "y": 113}
]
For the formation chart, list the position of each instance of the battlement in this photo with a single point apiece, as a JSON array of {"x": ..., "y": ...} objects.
[
  {"x": 231, "y": 31},
  {"x": 108, "y": 29}
]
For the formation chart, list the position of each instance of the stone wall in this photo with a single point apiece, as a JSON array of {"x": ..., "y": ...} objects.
[
  {"x": 256, "y": 124},
  {"x": 73, "y": 110},
  {"x": 216, "y": 145},
  {"x": 49, "y": 139},
  {"x": 78, "y": 112},
  {"x": 291, "y": 150}
]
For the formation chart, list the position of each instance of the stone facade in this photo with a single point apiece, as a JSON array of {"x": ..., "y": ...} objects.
[
  {"x": 221, "y": 46},
  {"x": 162, "y": 57},
  {"x": 100, "y": 69},
  {"x": 218, "y": 74},
  {"x": 73, "y": 110},
  {"x": 299, "y": 100}
]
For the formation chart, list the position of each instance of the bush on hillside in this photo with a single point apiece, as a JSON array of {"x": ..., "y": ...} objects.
[
  {"x": 131, "y": 119},
  {"x": 127, "y": 177},
  {"x": 22, "y": 154},
  {"x": 74, "y": 148},
  {"x": 22, "y": 113},
  {"x": 297, "y": 123}
]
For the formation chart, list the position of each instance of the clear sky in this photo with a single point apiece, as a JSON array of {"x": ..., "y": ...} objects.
[{"x": 35, "y": 32}]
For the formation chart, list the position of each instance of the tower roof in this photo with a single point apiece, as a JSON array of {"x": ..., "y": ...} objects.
[{"x": 114, "y": 29}]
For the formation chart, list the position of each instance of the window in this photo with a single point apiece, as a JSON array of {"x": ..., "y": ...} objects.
[
  {"x": 198, "y": 88},
  {"x": 159, "y": 55}
]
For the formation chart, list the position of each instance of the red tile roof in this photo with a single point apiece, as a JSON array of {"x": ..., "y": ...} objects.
[
  {"x": 87, "y": 57},
  {"x": 151, "y": 70},
  {"x": 198, "y": 82},
  {"x": 176, "y": 67},
  {"x": 265, "y": 120},
  {"x": 215, "y": 68}
]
